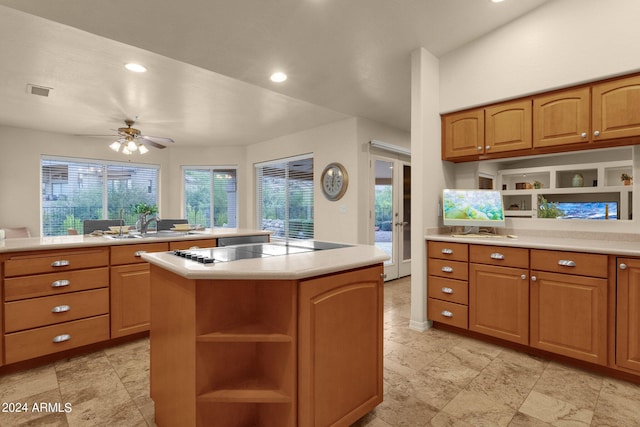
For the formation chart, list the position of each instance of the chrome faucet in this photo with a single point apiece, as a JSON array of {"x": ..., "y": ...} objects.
[
  {"x": 144, "y": 225},
  {"x": 121, "y": 221}
]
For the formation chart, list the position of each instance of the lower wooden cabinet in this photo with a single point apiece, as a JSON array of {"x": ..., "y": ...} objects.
[
  {"x": 130, "y": 299},
  {"x": 628, "y": 314},
  {"x": 499, "y": 302},
  {"x": 340, "y": 329},
  {"x": 569, "y": 315}
]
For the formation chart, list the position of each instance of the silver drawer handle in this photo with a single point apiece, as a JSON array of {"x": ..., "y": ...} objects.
[
  {"x": 447, "y": 269},
  {"x": 447, "y": 251},
  {"x": 60, "y": 283},
  {"x": 60, "y": 309},
  {"x": 447, "y": 313},
  {"x": 61, "y": 263},
  {"x": 566, "y": 263},
  {"x": 497, "y": 255},
  {"x": 62, "y": 338},
  {"x": 139, "y": 253},
  {"x": 447, "y": 291}
]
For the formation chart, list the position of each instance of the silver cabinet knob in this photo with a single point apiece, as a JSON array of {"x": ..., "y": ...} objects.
[
  {"x": 534, "y": 278},
  {"x": 496, "y": 255},
  {"x": 61, "y": 338},
  {"x": 447, "y": 291},
  {"x": 583, "y": 134},
  {"x": 447, "y": 251},
  {"x": 61, "y": 263},
  {"x": 596, "y": 133},
  {"x": 447, "y": 269},
  {"x": 523, "y": 277},
  {"x": 566, "y": 263},
  {"x": 60, "y": 309},
  {"x": 623, "y": 266},
  {"x": 446, "y": 313},
  {"x": 479, "y": 148},
  {"x": 60, "y": 283},
  {"x": 487, "y": 147}
]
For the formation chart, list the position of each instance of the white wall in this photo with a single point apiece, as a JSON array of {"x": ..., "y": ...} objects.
[
  {"x": 335, "y": 142},
  {"x": 562, "y": 43},
  {"x": 20, "y": 154}
]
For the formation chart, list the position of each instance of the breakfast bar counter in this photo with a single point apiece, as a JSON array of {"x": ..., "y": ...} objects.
[{"x": 287, "y": 337}]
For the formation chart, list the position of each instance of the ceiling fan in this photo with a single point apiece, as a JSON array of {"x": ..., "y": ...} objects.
[{"x": 132, "y": 140}]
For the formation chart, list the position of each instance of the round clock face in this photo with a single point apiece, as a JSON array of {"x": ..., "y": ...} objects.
[{"x": 334, "y": 181}]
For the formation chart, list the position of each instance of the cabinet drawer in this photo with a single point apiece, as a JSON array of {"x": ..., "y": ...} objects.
[
  {"x": 33, "y": 313},
  {"x": 450, "y": 269},
  {"x": 41, "y": 285},
  {"x": 52, "y": 339},
  {"x": 578, "y": 263},
  {"x": 186, "y": 244},
  {"x": 448, "y": 290},
  {"x": 54, "y": 261},
  {"x": 447, "y": 312},
  {"x": 499, "y": 255},
  {"x": 447, "y": 250},
  {"x": 130, "y": 254}
]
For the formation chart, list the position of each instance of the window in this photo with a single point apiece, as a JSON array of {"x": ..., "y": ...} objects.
[
  {"x": 77, "y": 189},
  {"x": 211, "y": 196},
  {"x": 285, "y": 197}
]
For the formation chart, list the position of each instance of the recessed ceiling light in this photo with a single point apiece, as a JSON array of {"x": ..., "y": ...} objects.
[
  {"x": 278, "y": 77},
  {"x": 497, "y": 1},
  {"x": 136, "y": 68}
]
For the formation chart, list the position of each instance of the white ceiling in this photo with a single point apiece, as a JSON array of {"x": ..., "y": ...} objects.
[{"x": 209, "y": 62}]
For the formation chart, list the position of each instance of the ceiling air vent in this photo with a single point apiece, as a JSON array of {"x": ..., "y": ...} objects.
[{"x": 38, "y": 90}]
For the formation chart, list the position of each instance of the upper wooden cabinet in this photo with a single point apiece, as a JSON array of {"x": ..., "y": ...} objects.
[
  {"x": 463, "y": 134},
  {"x": 508, "y": 127},
  {"x": 598, "y": 115},
  {"x": 562, "y": 118},
  {"x": 500, "y": 128},
  {"x": 616, "y": 109}
]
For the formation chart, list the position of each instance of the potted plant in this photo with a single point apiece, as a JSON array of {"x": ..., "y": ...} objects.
[
  {"x": 143, "y": 210},
  {"x": 626, "y": 179}
]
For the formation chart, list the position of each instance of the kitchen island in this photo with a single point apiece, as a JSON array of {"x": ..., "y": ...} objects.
[{"x": 290, "y": 336}]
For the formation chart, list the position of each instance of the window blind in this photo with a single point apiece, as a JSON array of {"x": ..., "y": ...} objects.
[
  {"x": 285, "y": 192},
  {"x": 73, "y": 190}
]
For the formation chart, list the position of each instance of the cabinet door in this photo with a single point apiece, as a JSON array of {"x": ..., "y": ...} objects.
[
  {"x": 628, "y": 314},
  {"x": 463, "y": 134},
  {"x": 508, "y": 127},
  {"x": 615, "y": 109},
  {"x": 130, "y": 299},
  {"x": 499, "y": 302},
  {"x": 340, "y": 347},
  {"x": 569, "y": 315},
  {"x": 562, "y": 118}
]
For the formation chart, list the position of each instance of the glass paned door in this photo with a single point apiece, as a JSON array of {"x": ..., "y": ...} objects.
[{"x": 392, "y": 214}]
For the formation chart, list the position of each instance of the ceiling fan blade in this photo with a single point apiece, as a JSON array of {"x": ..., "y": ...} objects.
[
  {"x": 149, "y": 143},
  {"x": 156, "y": 138}
]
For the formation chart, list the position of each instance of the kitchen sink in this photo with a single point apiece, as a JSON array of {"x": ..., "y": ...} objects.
[
  {"x": 123, "y": 237},
  {"x": 136, "y": 235}
]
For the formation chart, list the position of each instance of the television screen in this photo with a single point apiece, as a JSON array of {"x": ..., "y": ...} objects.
[
  {"x": 473, "y": 208},
  {"x": 588, "y": 210}
]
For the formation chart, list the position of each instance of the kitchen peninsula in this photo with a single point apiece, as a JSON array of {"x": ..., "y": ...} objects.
[
  {"x": 63, "y": 295},
  {"x": 281, "y": 335}
]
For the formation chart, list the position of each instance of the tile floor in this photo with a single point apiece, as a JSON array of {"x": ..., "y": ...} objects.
[{"x": 431, "y": 379}]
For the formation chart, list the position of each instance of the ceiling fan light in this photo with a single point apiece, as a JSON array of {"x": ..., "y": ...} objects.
[
  {"x": 115, "y": 146},
  {"x": 131, "y": 145},
  {"x": 143, "y": 149},
  {"x": 126, "y": 151}
]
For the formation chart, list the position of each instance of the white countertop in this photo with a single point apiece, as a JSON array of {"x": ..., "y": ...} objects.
[
  {"x": 606, "y": 243},
  {"x": 282, "y": 267},
  {"x": 66, "y": 242}
]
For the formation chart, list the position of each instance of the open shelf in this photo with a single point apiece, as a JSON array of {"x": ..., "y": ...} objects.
[
  {"x": 252, "y": 332},
  {"x": 579, "y": 183},
  {"x": 247, "y": 391}
]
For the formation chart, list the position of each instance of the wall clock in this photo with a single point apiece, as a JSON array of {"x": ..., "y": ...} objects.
[{"x": 334, "y": 181}]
